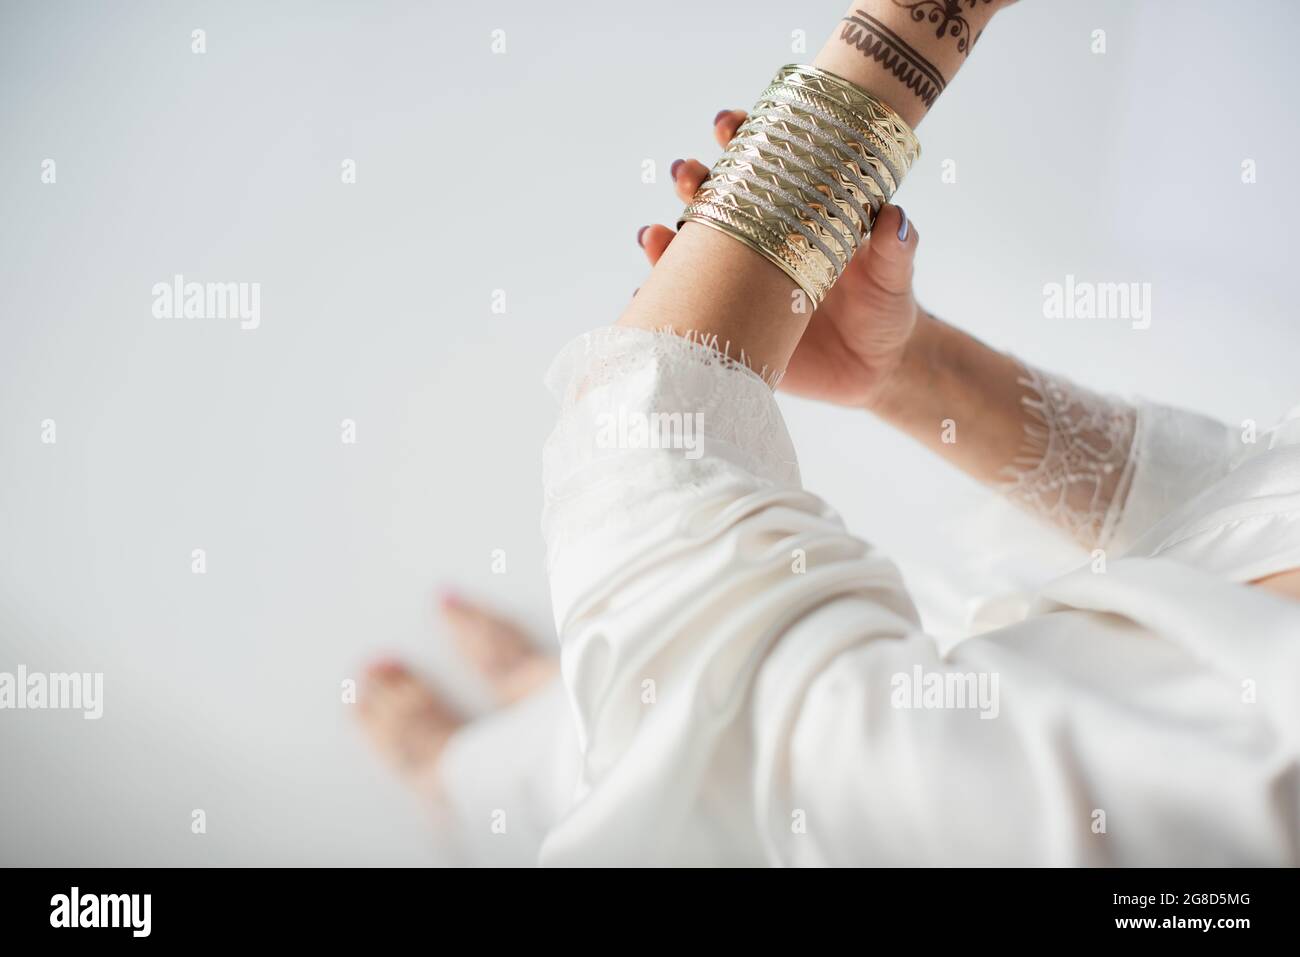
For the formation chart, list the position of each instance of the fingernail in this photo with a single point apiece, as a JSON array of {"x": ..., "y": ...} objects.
[
  {"x": 902, "y": 229},
  {"x": 672, "y": 170},
  {"x": 718, "y": 119},
  {"x": 449, "y": 599},
  {"x": 639, "y": 233}
]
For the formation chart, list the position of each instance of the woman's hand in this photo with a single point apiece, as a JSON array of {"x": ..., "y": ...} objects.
[{"x": 855, "y": 340}]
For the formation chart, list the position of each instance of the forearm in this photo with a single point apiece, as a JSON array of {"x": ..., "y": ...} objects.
[
  {"x": 959, "y": 398},
  {"x": 1056, "y": 449},
  {"x": 708, "y": 282}
]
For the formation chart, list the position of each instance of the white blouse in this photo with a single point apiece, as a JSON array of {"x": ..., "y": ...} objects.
[{"x": 749, "y": 683}]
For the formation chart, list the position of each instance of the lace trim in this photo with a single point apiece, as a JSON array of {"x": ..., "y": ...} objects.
[
  {"x": 601, "y": 356},
  {"x": 1076, "y": 465},
  {"x": 627, "y": 370},
  {"x": 599, "y": 477}
]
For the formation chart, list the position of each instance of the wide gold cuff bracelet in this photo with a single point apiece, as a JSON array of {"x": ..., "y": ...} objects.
[{"x": 804, "y": 177}]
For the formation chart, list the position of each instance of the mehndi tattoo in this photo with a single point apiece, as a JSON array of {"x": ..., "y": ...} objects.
[
  {"x": 875, "y": 40},
  {"x": 948, "y": 15}
]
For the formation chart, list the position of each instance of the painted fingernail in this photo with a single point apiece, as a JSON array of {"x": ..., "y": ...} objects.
[
  {"x": 672, "y": 170},
  {"x": 902, "y": 229},
  {"x": 721, "y": 113},
  {"x": 639, "y": 233},
  {"x": 449, "y": 598}
]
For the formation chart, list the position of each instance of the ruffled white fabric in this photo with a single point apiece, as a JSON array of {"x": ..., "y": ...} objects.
[
  {"x": 1244, "y": 524},
  {"x": 739, "y": 665}
]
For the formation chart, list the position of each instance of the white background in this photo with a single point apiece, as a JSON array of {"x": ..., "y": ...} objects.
[{"x": 478, "y": 172}]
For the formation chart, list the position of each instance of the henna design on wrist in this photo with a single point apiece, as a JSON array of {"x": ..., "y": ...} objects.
[
  {"x": 948, "y": 15},
  {"x": 877, "y": 42}
]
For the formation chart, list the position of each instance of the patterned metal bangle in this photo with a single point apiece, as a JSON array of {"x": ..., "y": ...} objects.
[
  {"x": 804, "y": 177},
  {"x": 856, "y": 200},
  {"x": 872, "y": 111},
  {"x": 731, "y": 214}
]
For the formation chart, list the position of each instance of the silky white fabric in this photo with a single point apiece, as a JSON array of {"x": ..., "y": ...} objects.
[
  {"x": 732, "y": 653},
  {"x": 505, "y": 779}
]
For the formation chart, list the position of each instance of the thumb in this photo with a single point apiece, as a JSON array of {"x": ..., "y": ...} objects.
[{"x": 891, "y": 251}]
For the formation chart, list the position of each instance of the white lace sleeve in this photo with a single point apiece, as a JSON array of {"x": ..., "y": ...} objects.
[
  {"x": 651, "y": 422},
  {"x": 1076, "y": 466},
  {"x": 1104, "y": 470}
]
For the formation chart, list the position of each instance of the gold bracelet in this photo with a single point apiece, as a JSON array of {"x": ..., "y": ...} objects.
[
  {"x": 872, "y": 169},
  {"x": 856, "y": 201},
  {"x": 874, "y": 112},
  {"x": 797, "y": 146},
  {"x": 791, "y": 206},
  {"x": 754, "y": 233},
  {"x": 806, "y": 174}
]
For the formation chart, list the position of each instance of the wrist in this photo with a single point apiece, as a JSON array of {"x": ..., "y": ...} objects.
[
  {"x": 917, "y": 368},
  {"x": 893, "y": 50}
]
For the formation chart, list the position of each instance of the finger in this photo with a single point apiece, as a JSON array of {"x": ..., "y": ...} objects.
[
  {"x": 725, "y": 125},
  {"x": 654, "y": 240},
  {"x": 892, "y": 250},
  {"x": 687, "y": 177}
]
